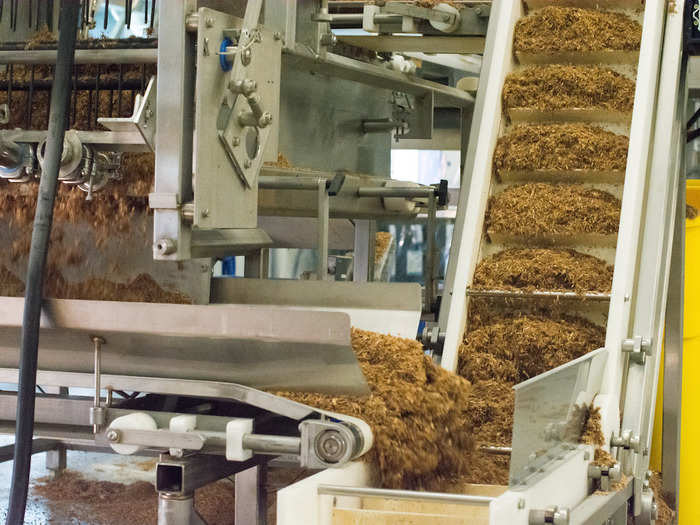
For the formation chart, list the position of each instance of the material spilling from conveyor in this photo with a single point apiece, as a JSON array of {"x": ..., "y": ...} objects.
[
  {"x": 420, "y": 414},
  {"x": 529, "y": 147},
  {"x": 666, "y": 514},
  {"x": 555, "y": 28},
  {"x": 556, "y": 87},
  {"x": 562, "y": 209},
  {"x": 540, "y": 269}
]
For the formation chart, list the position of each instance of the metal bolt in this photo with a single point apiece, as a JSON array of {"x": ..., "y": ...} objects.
[
  {"x": 521, "y": 503},
  {"x": 265, "y": 120},
  {"x": 331, "y": 446},
  {"x": 166, "y": 246},
  {"x": 246, "y": 86},
  {"x": 247, "y": 163},
  {"x": 246, "y": 56},
  {"x": 113, "y": 435},
  {"x": 477, "y": 11},
  {"x": 205, "y": 213},
  {"x": 209, "y": 22},
  {"x": 277, "y": 36},
  {"x": 236, "y": 141}
]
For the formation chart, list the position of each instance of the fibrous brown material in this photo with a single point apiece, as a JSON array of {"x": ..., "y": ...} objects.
[
  {"x": 420, "y": 414},
  {"x": 73, "y": 498},
  {"x": 666, "y": 513},
  {"x": 382, "y": 244},
  {"x": 556, "y": 28},
  {"x": 561, "y": 209},
  {"x": 556, "y": 87},
  {"x": 560, "y": 147},
  {"x": 142, "y": 289},
  {"x": 593, "y": 427},
  {"x": 543, "y": 270},
  {"x": 515, "y": 347},
  {"x": 691, "y": 212}
]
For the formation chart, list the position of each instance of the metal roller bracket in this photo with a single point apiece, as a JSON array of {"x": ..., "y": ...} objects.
[{"x": 143, "y": 119}]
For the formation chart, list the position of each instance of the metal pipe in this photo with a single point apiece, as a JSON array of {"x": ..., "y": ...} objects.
[
  {"x": 82, "y": 56},
  {"x": 367, "y": 492},
  {"x": 267, "y": 444},
  {"x": 29, "y": 341},
  {"x": 406, "y": 193},
  {"x": 273, "y": 182}
]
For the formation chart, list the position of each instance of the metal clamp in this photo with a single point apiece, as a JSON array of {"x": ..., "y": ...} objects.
[
  {"x": 638, "y": 347},
  {"x": 555, "y": 515},
  {"x": 605, "y": 474},
  {"x": 626, "y": 440}
]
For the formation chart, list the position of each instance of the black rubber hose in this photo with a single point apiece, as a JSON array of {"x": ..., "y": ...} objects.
[{"x": 29, "y": 342}]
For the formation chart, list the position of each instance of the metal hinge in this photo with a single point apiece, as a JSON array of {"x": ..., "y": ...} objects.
[
  {"x": 555, "y": 515},
  {"x": 626, "y": 440},
  {"x": 638, "y": 348}
]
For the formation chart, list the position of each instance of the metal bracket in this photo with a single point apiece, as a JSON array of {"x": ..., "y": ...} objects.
[
  {"x": 326, "y": 444},
  {"x": 626, "y": 440},
  {"x": 605, "y": 474},
  {"x": 432, "y": 338},
  {"x": 555, "y": 515},
  {"x": 155, "y": 439},
  {"x": 638, "y": 347},
  {"x": 143, "y": 119}
]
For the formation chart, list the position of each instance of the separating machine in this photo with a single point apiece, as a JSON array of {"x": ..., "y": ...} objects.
[{"x": 239, "y": 83}]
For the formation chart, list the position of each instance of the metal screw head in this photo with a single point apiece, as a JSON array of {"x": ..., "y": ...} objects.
[
  {"x": 521, "y": 503},
  {"x": 247, "y": 164},
  {"x": 113, "y": 435},
  {"x": 477, "y": 11},
  {"x": 236, "y": 141},
  {"x": 205, "y": 213},
  {"x": 209, "y": 22},
  {"x": 246, "y": 56},
  {"x": 265, "y": 120},
  {"x": 331, "y": 446},
  {"x": 166, "y": 246},
  {"x": 277, "y": 35}
]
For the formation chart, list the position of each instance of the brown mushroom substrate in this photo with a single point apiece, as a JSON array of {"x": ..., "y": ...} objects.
[
  {"x": 555, "y": 28},
  {"x": 513, "y": 348},
  {"x": 557, "y": 87},
  {"x": 666, "y": 513},
  {"x": 560, "y": 147},
  {"x": 420, "y": 414},
  {"x": 142, "y": 289},
  {"x": 531, "y": 270},
  {"x": 561, "y": 209}
]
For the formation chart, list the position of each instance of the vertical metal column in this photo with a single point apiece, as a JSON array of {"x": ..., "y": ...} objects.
[
  {"x": 175, "y": 95},
  {"x": 429, "y": 273},
  {"x": 174, "y": 509},
  {"x": 360, "y": 271},
  {"x": 673, "y": 352},
  {"x": 250, "y": 500},
  {"x": 323, "y": 218},
  {"x": 56, "y": 461}
]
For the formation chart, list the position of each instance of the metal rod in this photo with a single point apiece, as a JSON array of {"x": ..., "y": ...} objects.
[
  {"x": 367, "y": 492},
  {"x": 511, "y": 294},
  {"x": 264, "y": 444},
  {"x": 323, "y": 217},
  {"x": 496, "y": 451},
  {"x": 106, "y": 17},
  {"x": 98, "y": 342},
  {"x": 407, "y": 193},
  {"x": 82, "y": 56},
  {"x": 429, "y": 276},
  {"x": 273, "y": 182}
]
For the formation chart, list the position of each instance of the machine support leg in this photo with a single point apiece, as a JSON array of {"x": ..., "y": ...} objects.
[
  {"x": 323, "y": 218},
  {"x": 360, "y": 271},
  {"x": 175, "y": 509},
  {"x": 250, "y": 501},
  {"x": 56, "y": 461}
]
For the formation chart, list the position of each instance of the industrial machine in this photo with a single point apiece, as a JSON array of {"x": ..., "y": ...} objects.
[{"x": 237, "y": 86}]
